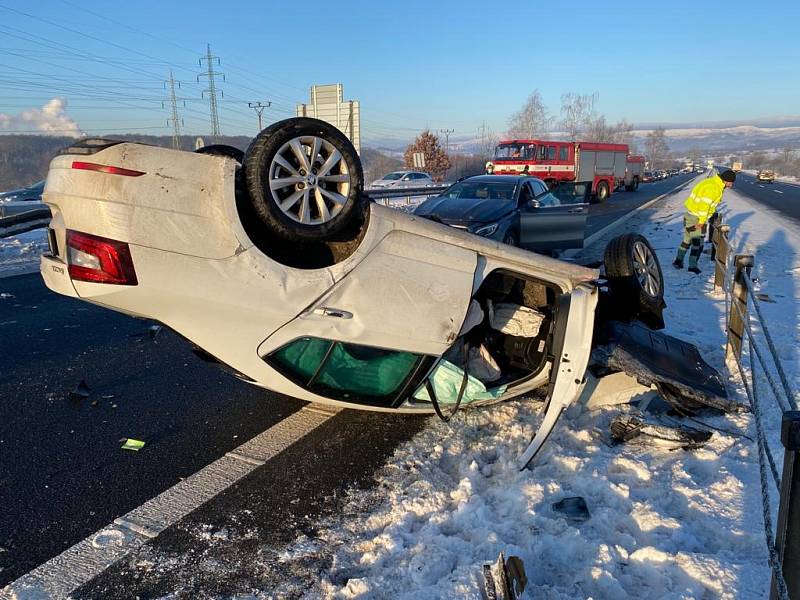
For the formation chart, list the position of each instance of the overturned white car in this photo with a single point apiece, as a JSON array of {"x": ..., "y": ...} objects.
[{"x": 275, "y": 264}]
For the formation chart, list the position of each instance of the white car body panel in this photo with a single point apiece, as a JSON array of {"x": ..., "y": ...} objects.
[{"x": 200, "y": 274}]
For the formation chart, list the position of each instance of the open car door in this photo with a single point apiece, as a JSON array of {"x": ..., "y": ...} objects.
[{"x": 555, "y": 219}]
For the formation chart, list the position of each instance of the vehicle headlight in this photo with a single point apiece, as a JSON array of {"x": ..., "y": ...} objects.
[{"x": 487, "y": 230}]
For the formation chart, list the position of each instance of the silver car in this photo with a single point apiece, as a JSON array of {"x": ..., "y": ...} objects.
[{"x": 403, "y": 179}]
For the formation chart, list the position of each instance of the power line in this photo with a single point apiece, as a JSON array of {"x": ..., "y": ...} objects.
[
  {"x": 176, "y": 122},
  {"x": 447, "y": 133},
  {"x": 259, "y": 107},
  {"x": 212, "y": 89}
]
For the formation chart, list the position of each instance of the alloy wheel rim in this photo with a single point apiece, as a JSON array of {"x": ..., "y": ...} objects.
[
  {"x": 644, "y": 263},
  {"x": 309, "y": 180}
]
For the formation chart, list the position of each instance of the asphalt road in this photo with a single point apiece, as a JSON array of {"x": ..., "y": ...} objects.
[
  {"x": 63, "y": 475},
  {"x": 781, "y": 197}
]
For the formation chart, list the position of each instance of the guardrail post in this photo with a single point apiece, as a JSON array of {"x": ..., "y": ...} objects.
[
  {"x": 719, "y": 253},
  {"x": 743, "y": 263},
  {"x": 787, "y": 534},
  {"x": 713, "y": 223}
]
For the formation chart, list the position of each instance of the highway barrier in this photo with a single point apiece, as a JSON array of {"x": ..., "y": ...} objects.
[
  {"x": 734, "y": 277},
  {"x": 27, "y": 221}
]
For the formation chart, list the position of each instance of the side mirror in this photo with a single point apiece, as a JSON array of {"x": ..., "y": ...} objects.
[{"x": 534, "y": 203}]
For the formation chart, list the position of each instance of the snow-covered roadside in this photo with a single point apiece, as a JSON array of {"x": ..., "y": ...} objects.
[
  {"x": 664, "y": 523},
  {"x": 20, "y": 253}
]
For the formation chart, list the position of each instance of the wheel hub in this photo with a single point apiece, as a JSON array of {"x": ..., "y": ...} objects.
[
  {"x": 309, "y": 180},
  {"x": 644, "y": 263}
]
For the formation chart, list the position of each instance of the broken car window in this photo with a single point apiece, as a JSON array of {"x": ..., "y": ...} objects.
[{"x": 343, "y": 370}]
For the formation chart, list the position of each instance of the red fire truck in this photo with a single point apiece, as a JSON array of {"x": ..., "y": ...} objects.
[{"x": 608, "y": 166}]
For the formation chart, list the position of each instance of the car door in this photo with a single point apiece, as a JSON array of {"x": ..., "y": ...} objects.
[{"x": 554, "y": 219}]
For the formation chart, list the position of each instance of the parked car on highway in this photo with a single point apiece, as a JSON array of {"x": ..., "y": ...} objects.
[
  {"x": 401, "y": 179},
  {"x": 22, "y": 200},
  {"x": 765, "y": 175},
  {"x": 519, "y": 211},
  {"x": 274, "y": 263}
]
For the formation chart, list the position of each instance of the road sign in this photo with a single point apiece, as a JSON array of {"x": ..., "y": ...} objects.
[{"x": 419, "y": 160}]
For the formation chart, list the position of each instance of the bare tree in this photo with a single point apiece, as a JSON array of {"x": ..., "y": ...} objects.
[
  {"x": 656, "y": 147},
  {"x": 577, "y": 111},
  {"x": 531, "y": 120}
]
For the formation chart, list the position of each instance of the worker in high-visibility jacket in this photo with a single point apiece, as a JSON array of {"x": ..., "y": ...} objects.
[{"x": 700, "y": 205}]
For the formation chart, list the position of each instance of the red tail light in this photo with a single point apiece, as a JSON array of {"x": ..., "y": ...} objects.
[
  {"x": 100, "y": 260},
  {"x": 87, "y": 166}
]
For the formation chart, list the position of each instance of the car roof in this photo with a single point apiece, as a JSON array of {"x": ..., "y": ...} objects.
[{"x": 500, "y": 178}]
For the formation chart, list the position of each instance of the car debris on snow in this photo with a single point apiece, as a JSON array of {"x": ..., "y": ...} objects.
[
  {"x": 574, "y": 509},
  {"x": 504, "y": 579},
  {"x": 632, "y": 428}
]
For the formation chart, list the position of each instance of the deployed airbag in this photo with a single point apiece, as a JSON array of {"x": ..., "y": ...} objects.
[
  {"x": 446, "y": 380},
  {"x": 513, "y": 319}
]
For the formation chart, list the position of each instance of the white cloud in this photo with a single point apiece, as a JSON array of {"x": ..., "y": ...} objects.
[{"x": 50, "y": 119}]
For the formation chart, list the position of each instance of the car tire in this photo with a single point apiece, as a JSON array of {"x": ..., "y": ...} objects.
[
  {"x": 602, "y": 192},
  {"x": 222, "y": 150},
  {"x": 318, "y": 197},
  {"x": 511, "y": 239},
  {"x": 634, "y": 275}
]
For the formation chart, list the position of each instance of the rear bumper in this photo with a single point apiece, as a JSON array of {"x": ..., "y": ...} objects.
[{"x": 56, "y": 275}]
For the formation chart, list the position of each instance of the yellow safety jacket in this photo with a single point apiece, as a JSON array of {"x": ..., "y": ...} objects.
[{"x": 705, "y": 197}]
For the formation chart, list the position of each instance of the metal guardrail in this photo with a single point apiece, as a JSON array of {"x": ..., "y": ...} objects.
[
  {"x": 22, "y": 222},
  {"x": 386, "y": 194},
  {"x": 783, "y": 545}
]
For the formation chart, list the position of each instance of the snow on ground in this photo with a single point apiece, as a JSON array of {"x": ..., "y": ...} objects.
[
  {"x": 664, "y": 524},
  {"x": 20, "y": 253}
]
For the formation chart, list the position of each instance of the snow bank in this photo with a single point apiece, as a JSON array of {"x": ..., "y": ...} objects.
[
  {"x": 664, "y": 524},
  {"x": 20, "y": 253}
]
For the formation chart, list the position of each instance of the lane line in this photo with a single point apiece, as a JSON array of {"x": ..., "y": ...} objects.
[
  {"x": 64, "y": 573},
  {"x": 777, "y": 191}
]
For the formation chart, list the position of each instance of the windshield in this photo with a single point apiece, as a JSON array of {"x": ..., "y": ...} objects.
[
  {"x": 393, "y": 176},
  {"x": 482, "y": 190},
  {"x": 515, "y": 151}
]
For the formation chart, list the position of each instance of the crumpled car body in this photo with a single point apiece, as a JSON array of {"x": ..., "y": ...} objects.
[{"x": 158, "y": 233}]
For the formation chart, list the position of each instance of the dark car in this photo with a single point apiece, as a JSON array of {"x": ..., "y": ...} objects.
[
  {"x": 23, "y": 200},
  {"x": 520, "y": 211}
]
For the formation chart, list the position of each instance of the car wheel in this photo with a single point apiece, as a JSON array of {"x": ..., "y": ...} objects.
[
  {"x": 602, "y": 192},
  {"x": 304, "y": 179},
  {"x": 511, "y": 239},
  {"x": 635, "y": 184},
  {"x": 222, "y": 150},
  {"x": 634, "y": 275}
]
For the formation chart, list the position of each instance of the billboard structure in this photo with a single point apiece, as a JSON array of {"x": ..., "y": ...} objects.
[{"x": 328, "y": 104}]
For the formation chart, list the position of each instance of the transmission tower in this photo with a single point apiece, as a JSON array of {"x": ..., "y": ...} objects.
[
  {"x": 259, "y": 107},
  {"x": 211, "y": 90},
  {"x": 447, "y": 133},
  {"x": 174, "y": 120}
]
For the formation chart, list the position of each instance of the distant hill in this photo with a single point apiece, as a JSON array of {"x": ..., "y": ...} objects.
[{"x": 24, "y": 159}]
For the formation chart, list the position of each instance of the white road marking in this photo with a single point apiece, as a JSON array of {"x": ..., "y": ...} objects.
[
  {"x": 777, "y": 191},
  {"x": 60, "y": 575}
]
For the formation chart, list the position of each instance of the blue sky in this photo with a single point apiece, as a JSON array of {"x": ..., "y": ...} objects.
[{"x": 411, "y": 64}]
